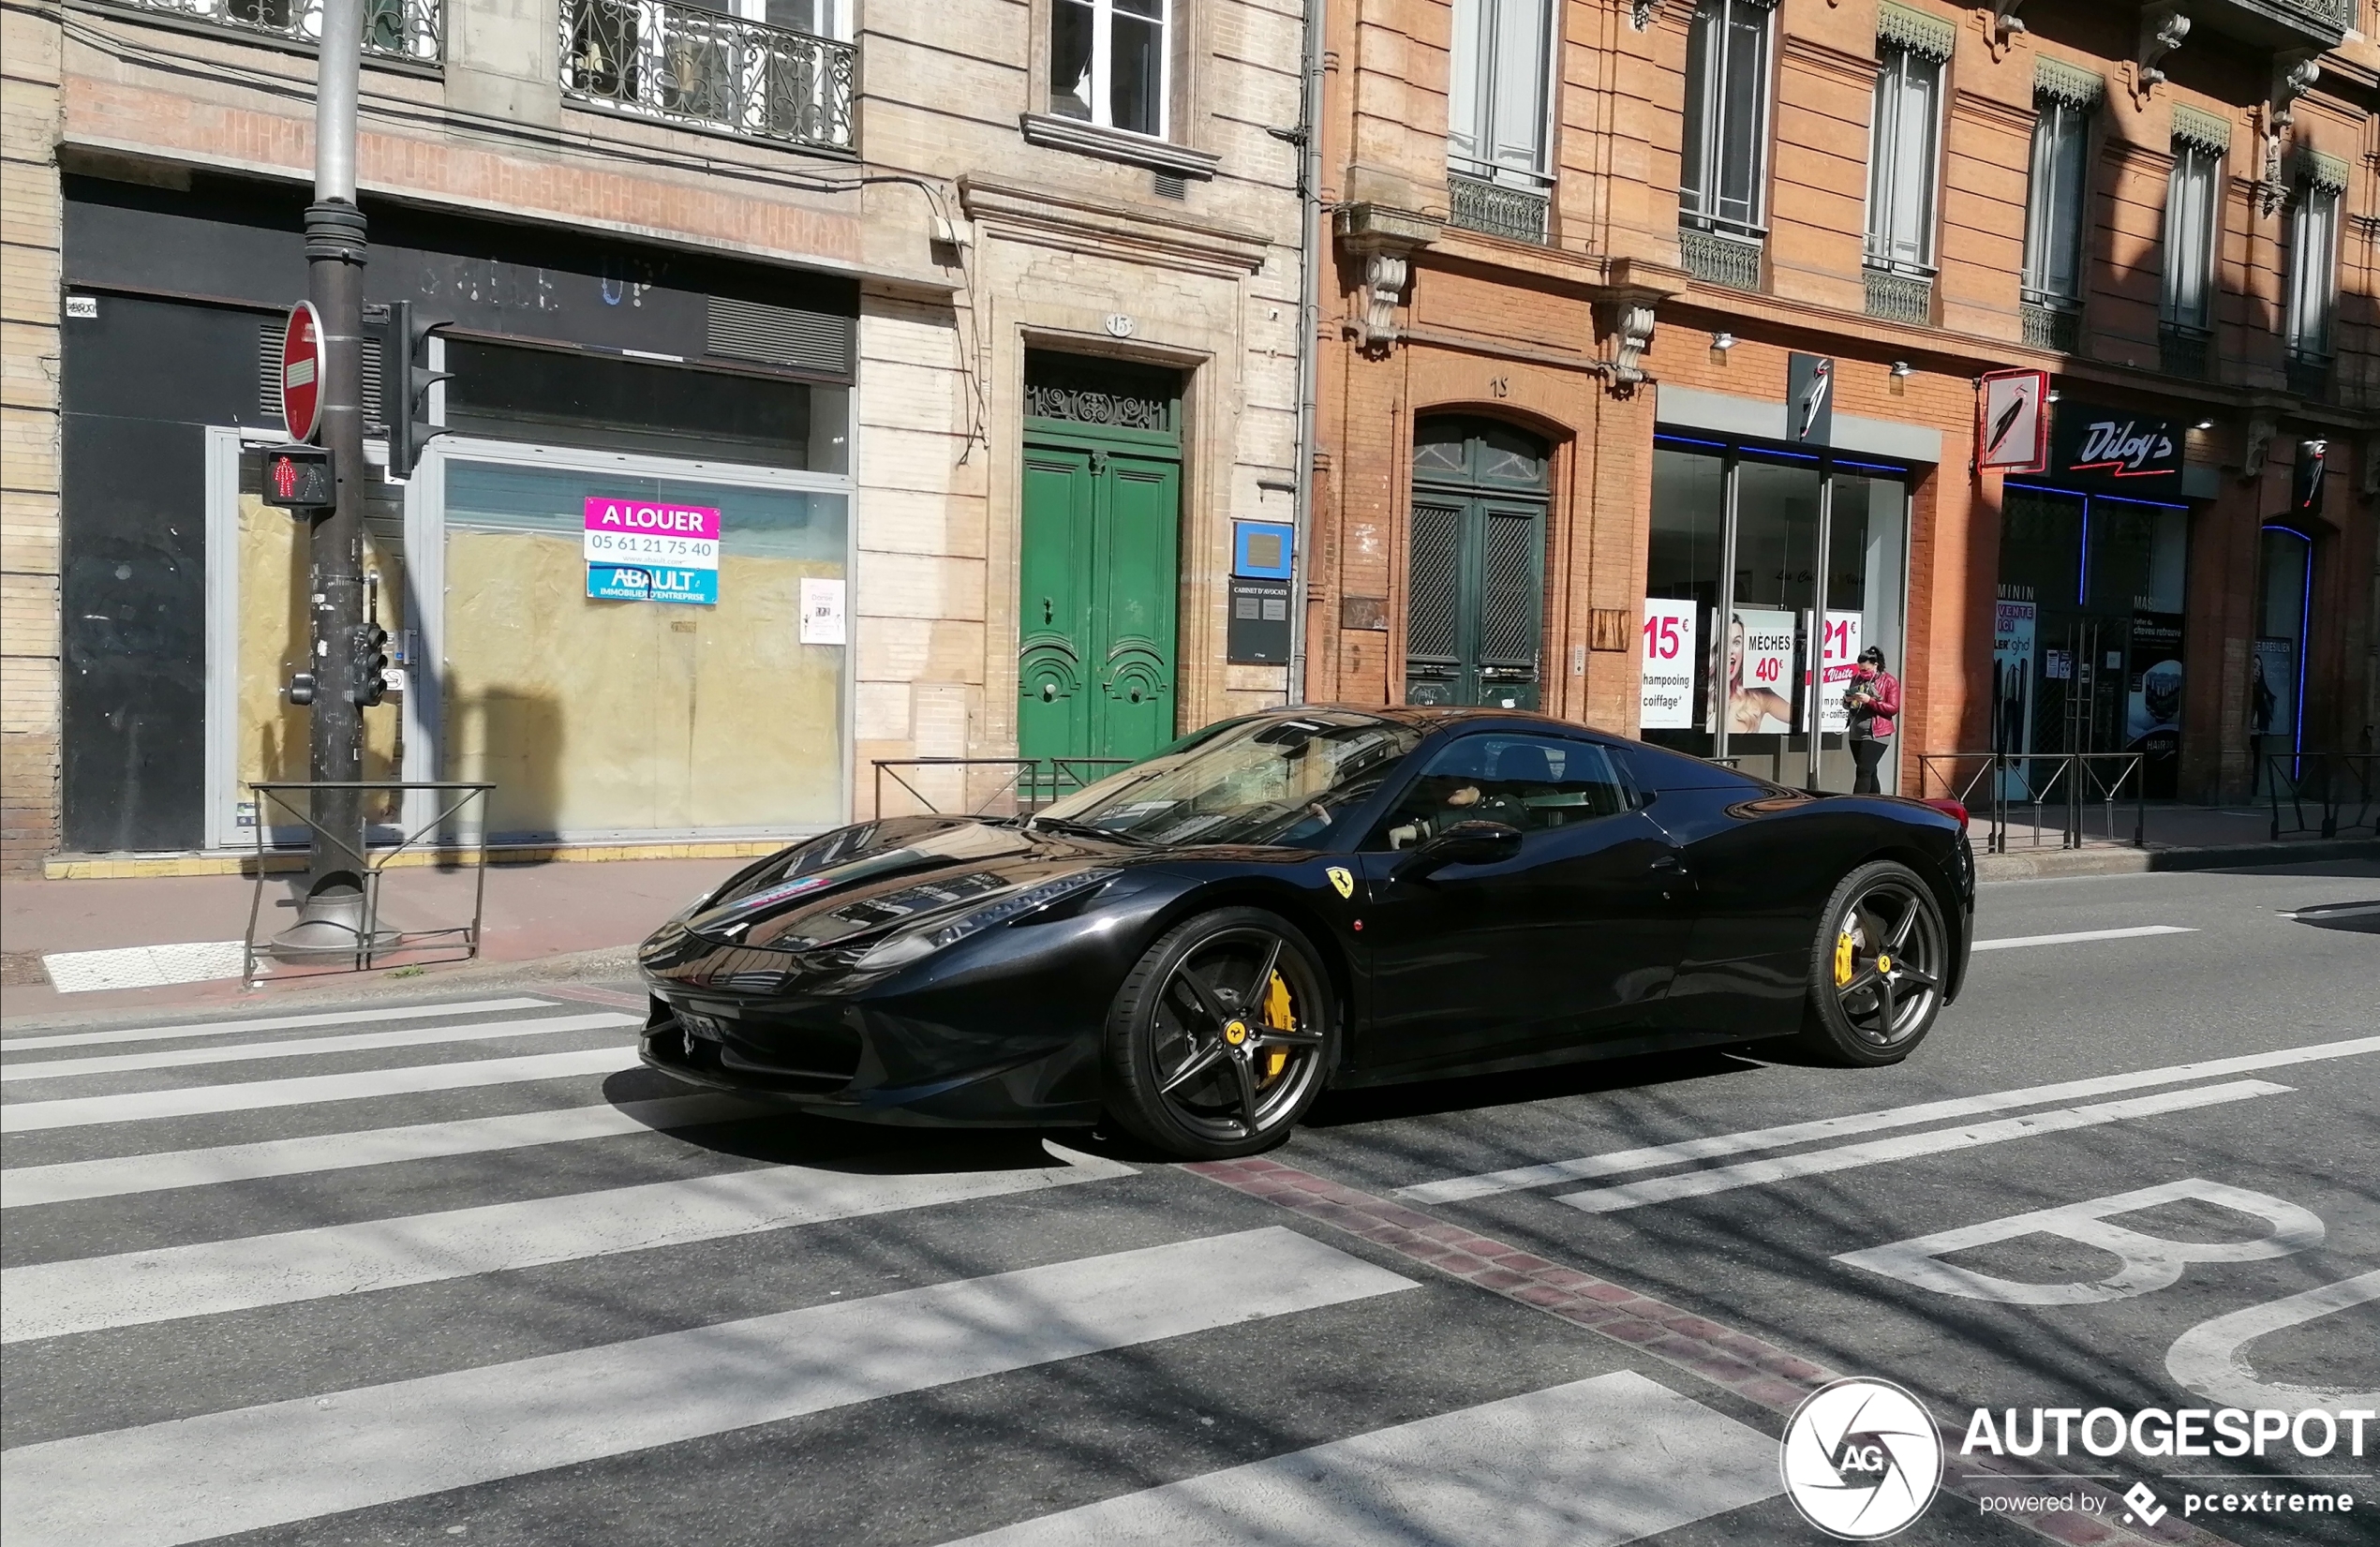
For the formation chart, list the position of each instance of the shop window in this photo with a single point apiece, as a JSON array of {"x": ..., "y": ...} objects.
[
  {"x": 598, "y": 717},
  {"x": 2314, "y": 272},
  {"x": 2193, "y": 218},
  {"x": 1107, "y": 63},
  {"x": 1900, "y": 163},
  {"x": 2276, "y": 689},
  {"x": 1768, "y": 669},
  {"x": 1723, "y": 174},
  {"x": 1499, "y": 108},
  {"x": 2055, "y": 201}
]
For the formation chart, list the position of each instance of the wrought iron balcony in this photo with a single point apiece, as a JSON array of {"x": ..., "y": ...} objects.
[
  {"x": 1898, "y": 297},
  {"x": 2309, "y": 375},
  {"x": 2276, "y": 24},
  {"x": 1499, "y": 209},
  {"x": 690, "y": 65},
  {"x": 393, "y": 29},
  {"x": 1717, "y": 258},
  {"x": 2049, "y": 327},
  {"x": 2183, "y": 350}
]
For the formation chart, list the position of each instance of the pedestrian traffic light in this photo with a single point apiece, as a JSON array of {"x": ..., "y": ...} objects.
[
  {"x": 299, "y": 478},
  {"x": 405, "y": 381},
  {"x": 367, "y": 663}
]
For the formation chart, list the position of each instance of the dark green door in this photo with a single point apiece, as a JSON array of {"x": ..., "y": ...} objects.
[
  {"x": 1097, "y": 578},
  {"x": 1474, "y": 613}
]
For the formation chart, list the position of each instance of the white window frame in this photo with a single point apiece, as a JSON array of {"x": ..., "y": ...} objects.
[
  {"x": 1472, "y": 73},
  {"x": 1699, "y": 100},
  {"x": 2313, "y": 270},
  {"x": 2048, "y": 201},
  {"x": 1891, "y": 164},
  {"x": 2190, "y": 161},
  {"x": 1103, "y": 61}
]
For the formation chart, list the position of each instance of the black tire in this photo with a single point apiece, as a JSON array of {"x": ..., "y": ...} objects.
[
  {"x": 1193, "y": 1068},
  {"x": 1876, "y": 968}
]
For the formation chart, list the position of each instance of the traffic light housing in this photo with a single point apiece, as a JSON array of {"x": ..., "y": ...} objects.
[
  {"x": 405, "y": 381},
  {"x": 368, "y": 663},
  {"x": 300, "y": 478}
]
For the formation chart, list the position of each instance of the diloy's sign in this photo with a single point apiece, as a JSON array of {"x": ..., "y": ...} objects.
[
  {"x": 645, "y": 550},
  {"x": 2115, "y": 448}
]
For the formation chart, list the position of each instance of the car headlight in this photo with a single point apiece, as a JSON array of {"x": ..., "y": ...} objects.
[{"x": 910, "y": 944}]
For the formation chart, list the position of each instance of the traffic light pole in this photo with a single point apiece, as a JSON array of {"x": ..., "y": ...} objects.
[{"x": 331, "y": 917}]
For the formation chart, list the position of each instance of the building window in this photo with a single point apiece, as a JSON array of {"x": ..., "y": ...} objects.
[
  {"x": 1498, "y": 105},
  {"x": 2055, "y": 201},
  {"x": 2313, "y": 274},
  {"x": 1723, "y": 172},
  {"x": 1107, "y": 63},
  {"x": 1911, "y": 48},
  {"x": 2193, "y": 220}
]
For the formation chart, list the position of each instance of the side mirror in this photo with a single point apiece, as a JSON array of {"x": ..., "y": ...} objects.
[{"x": 1465, "y": 843}]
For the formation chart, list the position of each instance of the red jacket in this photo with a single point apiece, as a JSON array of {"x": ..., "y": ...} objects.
[{"x": 1886, "y": 687}]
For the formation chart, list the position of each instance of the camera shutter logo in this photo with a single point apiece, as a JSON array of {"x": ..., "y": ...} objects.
[{"x": 1860, "y": 1459}]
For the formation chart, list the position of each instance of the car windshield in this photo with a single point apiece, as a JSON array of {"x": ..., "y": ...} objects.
[{"x": 1277, "y": 780}]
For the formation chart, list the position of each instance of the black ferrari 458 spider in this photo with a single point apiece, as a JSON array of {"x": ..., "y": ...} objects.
[{"x": 1200, "y": 945}]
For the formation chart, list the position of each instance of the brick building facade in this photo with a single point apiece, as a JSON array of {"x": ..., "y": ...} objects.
[
  {"x": 849, "y": 271},
  {"x": 1594, "y": 235}
]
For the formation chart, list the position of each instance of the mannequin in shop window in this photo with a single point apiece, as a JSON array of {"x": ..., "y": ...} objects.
[{"x": 1874, "y": 702}]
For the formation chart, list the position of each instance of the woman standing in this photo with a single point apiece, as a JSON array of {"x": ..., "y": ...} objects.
[{"x": 1874, "y": 702}]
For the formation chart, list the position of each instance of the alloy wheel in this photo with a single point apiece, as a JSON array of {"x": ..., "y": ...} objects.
[
  {"x": 1236, "y": 1037},
  {"x": 1889, "y": 955}
]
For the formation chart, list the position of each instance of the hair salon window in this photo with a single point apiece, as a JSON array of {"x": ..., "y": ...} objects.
[
  {"x": 1107, "y": 63},
  {"x": 1737, "y": 535}
]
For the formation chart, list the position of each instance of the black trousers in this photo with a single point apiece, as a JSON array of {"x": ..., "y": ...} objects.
[{"x": 1867, "y": 752}]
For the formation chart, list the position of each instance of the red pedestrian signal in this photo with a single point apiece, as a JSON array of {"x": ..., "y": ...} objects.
[{"x": 299, "y": 478}]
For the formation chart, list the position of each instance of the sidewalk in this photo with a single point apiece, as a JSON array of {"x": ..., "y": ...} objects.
[
  {"x": 534, "y": 913},
  {"x": 2178, "y": 837}
]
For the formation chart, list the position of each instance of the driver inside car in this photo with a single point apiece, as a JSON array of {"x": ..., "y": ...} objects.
[{"x": 1480, "y": 778}]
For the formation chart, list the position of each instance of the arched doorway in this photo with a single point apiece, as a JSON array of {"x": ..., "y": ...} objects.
[{"x": 1475, "y": 579}]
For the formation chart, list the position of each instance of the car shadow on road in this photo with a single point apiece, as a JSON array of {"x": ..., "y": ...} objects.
[
  {"x": 1430, "y": 1097},
  {"x": 782, "y": 1135}
]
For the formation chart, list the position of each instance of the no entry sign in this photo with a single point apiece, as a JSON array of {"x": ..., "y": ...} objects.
[{"x": 301, "y": 365}]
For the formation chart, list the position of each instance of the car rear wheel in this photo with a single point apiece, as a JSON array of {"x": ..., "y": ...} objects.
[
  {"x": 1222, "y": 1035},
  {"x": 1877, "y": 967}
]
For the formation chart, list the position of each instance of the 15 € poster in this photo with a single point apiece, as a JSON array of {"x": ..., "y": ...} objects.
[{"x": 1665, "y": 697}]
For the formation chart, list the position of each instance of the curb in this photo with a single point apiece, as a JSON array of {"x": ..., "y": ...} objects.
[
  {"x": 613, "y": 963},
  {"x": 2051, "y": 863}
]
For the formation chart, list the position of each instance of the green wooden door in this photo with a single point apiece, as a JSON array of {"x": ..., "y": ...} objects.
[{"x": 1098, "y": 582}]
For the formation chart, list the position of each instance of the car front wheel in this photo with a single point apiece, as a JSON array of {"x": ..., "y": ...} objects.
[
  {"x": 1222, "y": 1035},
  {"x": 1877, "y": 967}
]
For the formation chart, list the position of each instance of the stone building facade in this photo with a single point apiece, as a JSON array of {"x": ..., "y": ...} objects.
[
  {"x": 895, "y": 287},
  {"x": 1592, "y": 257}
]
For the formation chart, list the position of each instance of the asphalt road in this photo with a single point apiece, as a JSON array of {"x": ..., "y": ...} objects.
[{"x": 458, "y": 1272}]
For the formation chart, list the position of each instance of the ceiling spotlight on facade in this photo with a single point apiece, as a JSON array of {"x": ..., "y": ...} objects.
[
  {"x": 1722, "y": 340},
  {"x": 2203, "y": 424},
  {"x": 1903, "y": 367}
]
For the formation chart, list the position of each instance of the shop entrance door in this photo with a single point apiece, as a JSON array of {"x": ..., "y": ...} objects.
[
  {"x": 1098, "y": 582},
  {"x": 1474, "y": 608}
]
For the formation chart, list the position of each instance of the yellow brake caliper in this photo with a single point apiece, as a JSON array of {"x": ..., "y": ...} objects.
[
  {"x": 1843, "y": 945},
  {"x": 1277, "y": 1016}
]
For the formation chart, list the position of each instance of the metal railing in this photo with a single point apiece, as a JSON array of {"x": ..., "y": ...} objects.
[
  {"x": 688, "y": 65},
  {"x": 2339, "y": 785},
  {"x": 2051, "y": 327},
  {"x": 1016, "y": 785},
  {"x": 1499, "y": 209},
  {"x": 1898, "y": 297},
  {"x": 2059, "y": 783},
  {"x": 373, "y": 944},
  {"x": 2181, "y": 350},
  {"x": 393, "y": 29},
  {"x": 1718, "y": 258}
]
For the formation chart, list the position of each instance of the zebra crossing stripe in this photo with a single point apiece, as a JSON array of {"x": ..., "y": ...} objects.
[
  {"x": 359, "y": 1042},
  {"x": 187, "y": 1479},
  {"x": 21, "y": 1117},
  {"x": 210, "y": 1278},
  {"x": 25, "y": 1187},
  {"x": 1588, "y": 1465},
  {"x": 265, "y": 1023}
]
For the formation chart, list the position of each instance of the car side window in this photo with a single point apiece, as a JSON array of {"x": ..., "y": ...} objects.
[{"x": 1534, "y": 783}]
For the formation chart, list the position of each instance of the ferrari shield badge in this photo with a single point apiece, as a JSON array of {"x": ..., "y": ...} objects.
[{"x": 1342, "y": 880}]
